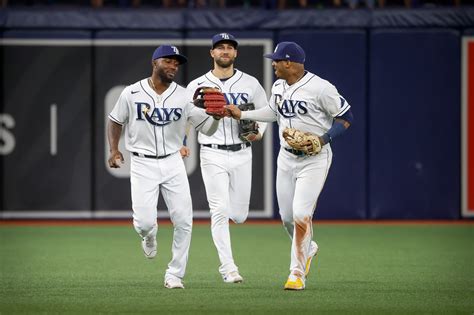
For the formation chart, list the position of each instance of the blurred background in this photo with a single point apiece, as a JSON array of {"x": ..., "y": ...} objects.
[{"x": 406, "y": 67}]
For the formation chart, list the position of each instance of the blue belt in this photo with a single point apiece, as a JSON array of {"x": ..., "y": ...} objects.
[
  {"x": 231, "y": 147},
  {"x": 151, "y": 156}
]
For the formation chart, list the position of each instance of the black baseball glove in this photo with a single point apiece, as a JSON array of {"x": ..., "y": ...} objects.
[{"x": 248, "y": 129}]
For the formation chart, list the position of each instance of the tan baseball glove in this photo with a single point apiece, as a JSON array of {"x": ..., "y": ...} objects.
[{"x": 306, "y": 142}]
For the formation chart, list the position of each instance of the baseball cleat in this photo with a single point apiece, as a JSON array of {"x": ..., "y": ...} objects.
[
  {"x": 294, "y": 283},
  {"x": 174, "y": 283},
  {"x": 233, "y": 277},
  {"x": 312, "y": 254},
  {"x": 149, "y": 246}
]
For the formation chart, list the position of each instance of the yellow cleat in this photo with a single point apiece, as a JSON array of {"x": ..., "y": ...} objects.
[
  {"x": 312, "y": 254},
  {"x": 294, "y": 283}
]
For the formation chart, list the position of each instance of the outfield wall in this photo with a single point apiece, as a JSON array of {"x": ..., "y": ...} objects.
[{"x": 400, "y": 70}]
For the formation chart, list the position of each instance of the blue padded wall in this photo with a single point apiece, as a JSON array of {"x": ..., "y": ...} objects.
[
  {"x": 414, "y": 118},
  {"x": 46, "y": 92},
  {"x": 340, "y": 57},
  {"x": 469, "y": 32}
]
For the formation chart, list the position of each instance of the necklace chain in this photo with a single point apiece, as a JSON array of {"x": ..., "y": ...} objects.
[{"x": 152, "y": 83}]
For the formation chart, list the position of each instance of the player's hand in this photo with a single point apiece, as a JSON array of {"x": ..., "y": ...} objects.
[
  {"x": 185, "y": 151},
  {"x": 233, "y": 111},
  {"x": 254, "y": 137},
  {"x": 115, "y": 159}
]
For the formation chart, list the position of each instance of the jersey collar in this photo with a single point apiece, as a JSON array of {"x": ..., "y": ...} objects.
[
  {"x": 305, "y": 78},
  {"x": 217, "y": 81},
  {"x": 152, "y": 92}
]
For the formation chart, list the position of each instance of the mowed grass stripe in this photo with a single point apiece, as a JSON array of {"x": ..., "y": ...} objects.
[{"x": 361, "y": 269}]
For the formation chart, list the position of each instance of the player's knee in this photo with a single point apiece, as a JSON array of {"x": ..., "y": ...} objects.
[
  {"x": 183, "y": 222},
  {"x": 218, "y": 215},
  {"x": 301, "y": 217},
  {"x": 239, "y": 218},
  {"x": 143, "y": 224}
]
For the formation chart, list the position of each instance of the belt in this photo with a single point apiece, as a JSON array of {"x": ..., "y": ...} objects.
[
  {"x": 295, "y": 152},
  {"x": 151, "y": 156},
  {"x": 231, "y": 147}
]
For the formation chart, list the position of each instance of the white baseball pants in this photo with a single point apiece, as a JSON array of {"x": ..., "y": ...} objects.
[
  {"x": 299, "y": 182},
  {"x": 150, "y": 176},
  {"x": 227, "y": 176}
]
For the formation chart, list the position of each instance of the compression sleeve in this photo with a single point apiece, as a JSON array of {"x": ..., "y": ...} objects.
[
  {"x": 338, "y": 127},
  {"x": 265, "y": 114}
]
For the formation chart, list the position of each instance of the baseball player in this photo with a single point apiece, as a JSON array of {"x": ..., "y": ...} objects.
[
  {"x": 301, "y": 100},
  {"x": 154, "y": 112},
  {"x": 226, "y": 159}
]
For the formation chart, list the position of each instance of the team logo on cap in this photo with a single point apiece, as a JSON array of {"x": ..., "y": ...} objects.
[
  {"x": 224, "y": 35},
  {"x": 175, "y": 49}
]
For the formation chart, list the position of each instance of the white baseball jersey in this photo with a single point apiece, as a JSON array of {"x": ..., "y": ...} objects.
[
  {"x": 155, "y": 124},
  {"x": 239, "y": 89},
  {"x": 309, "y": 105}
]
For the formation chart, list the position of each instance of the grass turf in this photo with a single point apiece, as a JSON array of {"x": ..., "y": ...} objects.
[{"x": 360, "y": 269}]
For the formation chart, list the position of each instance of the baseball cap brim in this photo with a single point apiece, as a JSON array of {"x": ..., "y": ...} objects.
[
  {"x": 181, "y": 59},
  {"x": 273, "y": 56},
  {"x": 231, "y": 41}
]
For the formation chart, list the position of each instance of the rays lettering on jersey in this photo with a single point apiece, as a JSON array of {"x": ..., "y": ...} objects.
[
  {"x": 290, "y": 108},
  {"x": 236, "y": 98},
  {"x": 159, "y": 116}
]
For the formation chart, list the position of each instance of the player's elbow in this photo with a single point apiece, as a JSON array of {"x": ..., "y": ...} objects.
[
  {"x": 347, "y": 118},
  {"x": 210, "y": 128}
]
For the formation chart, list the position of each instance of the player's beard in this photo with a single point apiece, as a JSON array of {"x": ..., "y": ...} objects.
[
  {"x": 225, "y": 63},
  {"x": 166, "y": 77}
]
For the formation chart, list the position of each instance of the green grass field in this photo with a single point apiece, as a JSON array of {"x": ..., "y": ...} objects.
[{"x": 361, "y": 268}]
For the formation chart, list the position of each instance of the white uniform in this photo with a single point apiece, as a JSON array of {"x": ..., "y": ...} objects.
[
  {"x": 154, "y": 130},
  {"x": 309, "y": 105},
  {"x": 227, "y": 172}
]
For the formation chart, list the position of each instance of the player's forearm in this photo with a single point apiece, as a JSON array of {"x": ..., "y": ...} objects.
[
  {"x": 209, "y": 126},
  {"x": 340, "y": 125},
  {"x": 114, "y": 131},
  {"x": 265, "y": 114}
]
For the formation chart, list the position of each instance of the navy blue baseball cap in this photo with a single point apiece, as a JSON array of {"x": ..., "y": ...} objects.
[
  {"x": 224, "y": 37},
  {"x": 287, "y": 51},
  {"x": 169, "y": 51}
]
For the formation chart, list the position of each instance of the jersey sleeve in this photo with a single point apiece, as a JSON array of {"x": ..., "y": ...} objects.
[
  {"x": 196, "y": 116},
  {"x": 332, "y": 102},
  {"x": 260, "y": 100},
  {"x": 120, "y": 113}
]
